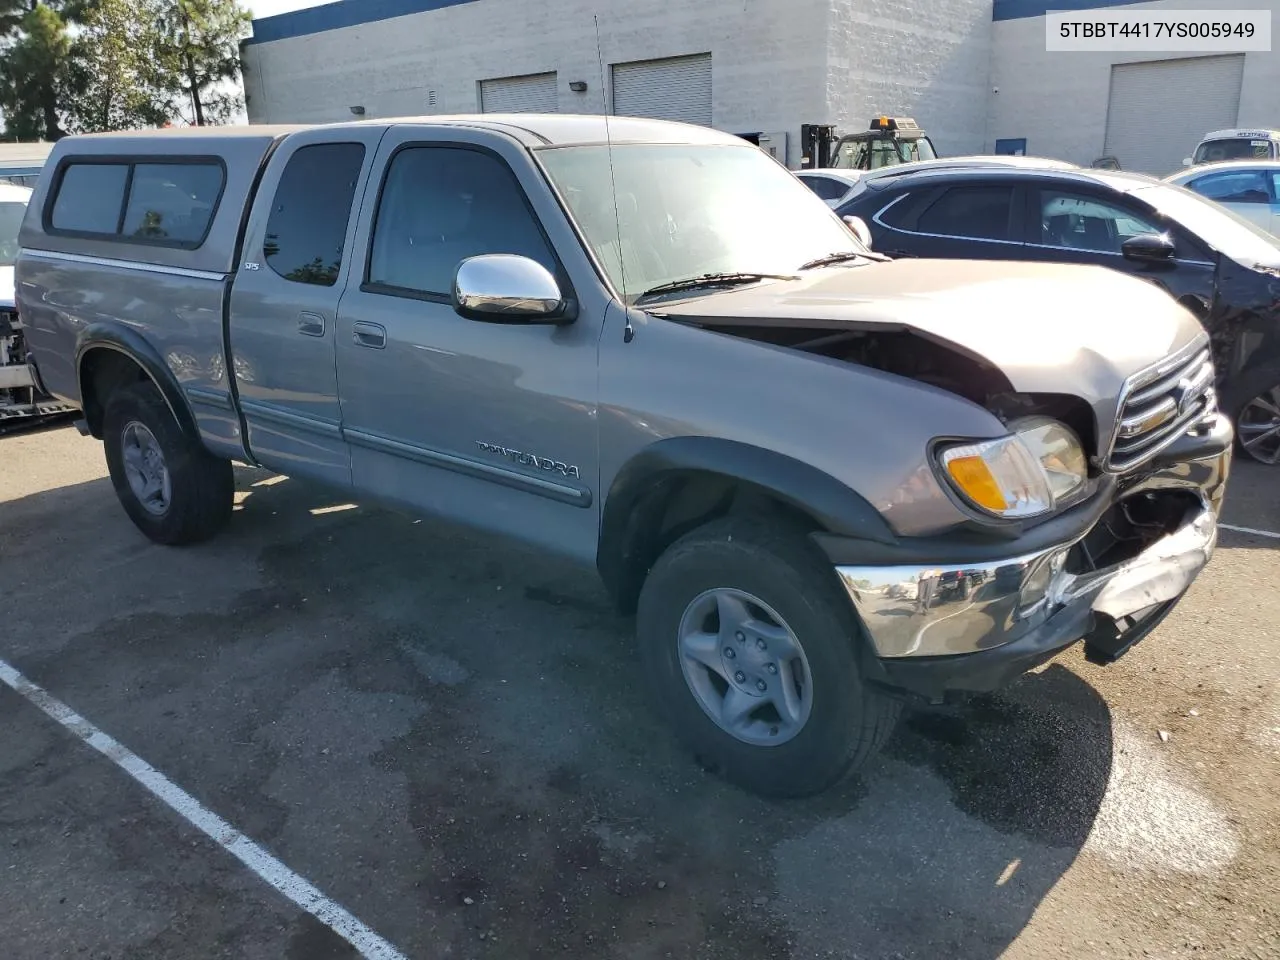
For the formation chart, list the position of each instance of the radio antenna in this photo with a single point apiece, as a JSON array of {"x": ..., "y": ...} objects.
[{"x": 628, "y": 333}]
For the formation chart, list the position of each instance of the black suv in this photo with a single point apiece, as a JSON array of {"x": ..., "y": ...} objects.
[{"x": 1225, "y": 269}]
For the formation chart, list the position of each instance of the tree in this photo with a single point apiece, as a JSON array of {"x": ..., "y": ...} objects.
[
  {"x": 115, "y": 81},
  {"x": 199, "y": 53},
  {"x": 34, "y": 68}
]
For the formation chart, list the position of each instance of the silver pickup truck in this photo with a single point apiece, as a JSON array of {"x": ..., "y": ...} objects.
[{"x": 825, "y": 483}]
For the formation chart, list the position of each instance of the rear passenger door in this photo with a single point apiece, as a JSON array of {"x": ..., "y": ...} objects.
[
  {"x": 971, "y": 220},
  {"x": 284, "y": 304}
]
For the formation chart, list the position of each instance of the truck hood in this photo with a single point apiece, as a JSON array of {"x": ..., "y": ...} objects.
[
  {"x": 6, "y": 286},
  {"x": 1050, "y": 328}
]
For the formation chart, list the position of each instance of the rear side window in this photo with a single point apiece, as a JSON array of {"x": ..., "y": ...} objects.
[
  {"x": 172, "y": 201},
  {"x": 164, "y": 203},
  {"x": 978, "y": 212},
  {"x": 90, "y": 198},
  {"x": 1244, "y": 186},
  {"x": 825, "y": 187},
  {"x": 307, "y": 228}
]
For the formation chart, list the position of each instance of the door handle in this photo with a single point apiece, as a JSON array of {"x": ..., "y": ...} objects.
[
  {"x": 365, "y": 334},
  {"x": 311, "y": 324}
]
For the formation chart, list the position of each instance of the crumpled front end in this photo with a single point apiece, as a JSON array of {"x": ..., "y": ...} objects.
[{"x": 1107, "y": 573}]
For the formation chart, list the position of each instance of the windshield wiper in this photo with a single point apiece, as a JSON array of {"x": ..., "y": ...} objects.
[
  {"x": 712, "y": 280},
  {"x": 840, "y": 258}
]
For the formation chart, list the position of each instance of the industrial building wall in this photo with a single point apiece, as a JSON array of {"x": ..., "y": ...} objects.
[
  {"x": 926, "y": 59},
  {"x": 1060, "y": 102},
  {"x": 768, "y": 58}
]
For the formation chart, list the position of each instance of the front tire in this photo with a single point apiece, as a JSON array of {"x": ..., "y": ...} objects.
[
  {"x": 1253, "y": 403},
  {"x": 171, "y": 487},
  {"x": 753, "y": 654}
]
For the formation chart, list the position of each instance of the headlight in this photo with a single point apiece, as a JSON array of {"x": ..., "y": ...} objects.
[{"x": 1026, "y": 474}]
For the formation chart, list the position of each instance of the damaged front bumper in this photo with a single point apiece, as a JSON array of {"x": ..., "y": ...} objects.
[{"x": 942, "y": 628}]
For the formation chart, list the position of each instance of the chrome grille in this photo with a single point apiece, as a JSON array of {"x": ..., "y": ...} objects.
[{"x": 1159, "y": 405}]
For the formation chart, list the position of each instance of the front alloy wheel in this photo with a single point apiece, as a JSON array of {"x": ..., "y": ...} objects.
[{"x": 1259, "y": 427}]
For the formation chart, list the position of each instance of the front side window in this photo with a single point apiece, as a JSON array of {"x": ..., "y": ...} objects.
[
  {"x": 684, "y": 210},
  {"x": 1241, "y": 186},
  {"x": 1081, "y": 222},
  {"x": 307, "y": 229},
  {"x": 442, "y": 205},
  {"x": 980, "y": 212},
  {"x": 172, "y": 201}
]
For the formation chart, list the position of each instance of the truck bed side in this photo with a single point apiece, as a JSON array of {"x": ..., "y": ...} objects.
[{"x": 99, "y": 302}]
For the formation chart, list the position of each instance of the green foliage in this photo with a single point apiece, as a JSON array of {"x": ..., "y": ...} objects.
[
  {"x": 199, "y": 55},
  {"x": 89, "y": 65}
]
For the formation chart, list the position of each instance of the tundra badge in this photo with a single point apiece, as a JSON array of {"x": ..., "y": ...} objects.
[{"x": 530, "y": 460}]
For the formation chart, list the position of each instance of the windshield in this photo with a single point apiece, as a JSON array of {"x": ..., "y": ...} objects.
[
  {"x": 685, "y": 210},
  {"x": 872, "y": 154},
  {"x": 1236, "y": 148},
  {"x": 1225, "y": 231},
  {"x": 10, "y": 221}
]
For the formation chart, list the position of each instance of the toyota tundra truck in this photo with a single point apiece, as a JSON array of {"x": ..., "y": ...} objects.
[{"x": 826, "y": 484}]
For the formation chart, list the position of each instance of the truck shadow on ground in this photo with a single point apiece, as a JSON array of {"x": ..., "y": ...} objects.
[{"x": 529, "y": 801}]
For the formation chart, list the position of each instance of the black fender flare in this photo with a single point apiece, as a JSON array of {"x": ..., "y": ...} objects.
[
  {"x": 643, "y": 482},
  {"x": 131, "y": 344}
]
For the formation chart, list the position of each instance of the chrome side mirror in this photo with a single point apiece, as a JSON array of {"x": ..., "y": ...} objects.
[
  {"x": 860, "y": 230},
  {"x": 505, "y": 288}
]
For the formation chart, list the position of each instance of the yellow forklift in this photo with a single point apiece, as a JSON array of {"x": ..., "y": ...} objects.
[{"x": 888, "y": 142}]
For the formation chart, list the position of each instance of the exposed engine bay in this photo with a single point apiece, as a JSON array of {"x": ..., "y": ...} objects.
[{"x": 908, "y": 354}]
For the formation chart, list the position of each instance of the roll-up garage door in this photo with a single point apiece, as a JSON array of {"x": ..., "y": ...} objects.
[
  {"x": 536, "y": 93},
  {"x": 1159, "y": 110},
  {"x": 678, "y": 88}
]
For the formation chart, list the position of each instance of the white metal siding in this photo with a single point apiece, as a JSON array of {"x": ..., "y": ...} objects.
[
  {"x": 678, "y": 88},
  {"x": 1158, "y": 111},
  {"x": 532, "y": 94}
]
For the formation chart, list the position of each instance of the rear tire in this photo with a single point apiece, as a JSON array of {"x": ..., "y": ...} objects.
[
  {"x": 791, "y": 597},
  {"x": 1251, "y": 401},
  {"x": 171, "y": 487}
]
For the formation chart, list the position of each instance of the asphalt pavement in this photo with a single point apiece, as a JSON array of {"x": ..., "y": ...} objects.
[{"x": 446, "y": 737}]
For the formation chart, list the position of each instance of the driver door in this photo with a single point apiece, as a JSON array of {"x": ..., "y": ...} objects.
[{"x": 493, "y": 424}]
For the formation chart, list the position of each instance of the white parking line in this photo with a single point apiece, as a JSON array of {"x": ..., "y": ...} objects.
[
  {"x": 267, "y": 867},
  {"x": 1256, "y": 533}
]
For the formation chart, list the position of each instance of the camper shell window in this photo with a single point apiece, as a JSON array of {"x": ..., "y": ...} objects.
[{"x": 157, "y": 201}]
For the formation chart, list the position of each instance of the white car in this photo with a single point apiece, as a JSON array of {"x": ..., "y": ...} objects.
[
  {"x": 831, "y": 185},
  {"x": 1249, "y": 188}
]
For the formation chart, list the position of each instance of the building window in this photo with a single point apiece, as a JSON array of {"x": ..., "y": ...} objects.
[
  {"x": 442, "y": 205},
  {"x": 307, "y": 230}
]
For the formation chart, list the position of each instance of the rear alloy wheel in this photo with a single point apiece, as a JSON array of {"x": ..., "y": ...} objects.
[{"x": 753, "y": 652}]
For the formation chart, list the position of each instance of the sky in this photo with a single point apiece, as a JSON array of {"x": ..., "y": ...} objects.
[{"x": 267, "y": 8}]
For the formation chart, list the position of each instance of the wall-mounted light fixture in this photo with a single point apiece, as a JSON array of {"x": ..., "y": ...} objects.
[
  {"x": 358, "y": 111},
  {"x": 578, "y": 86}
]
